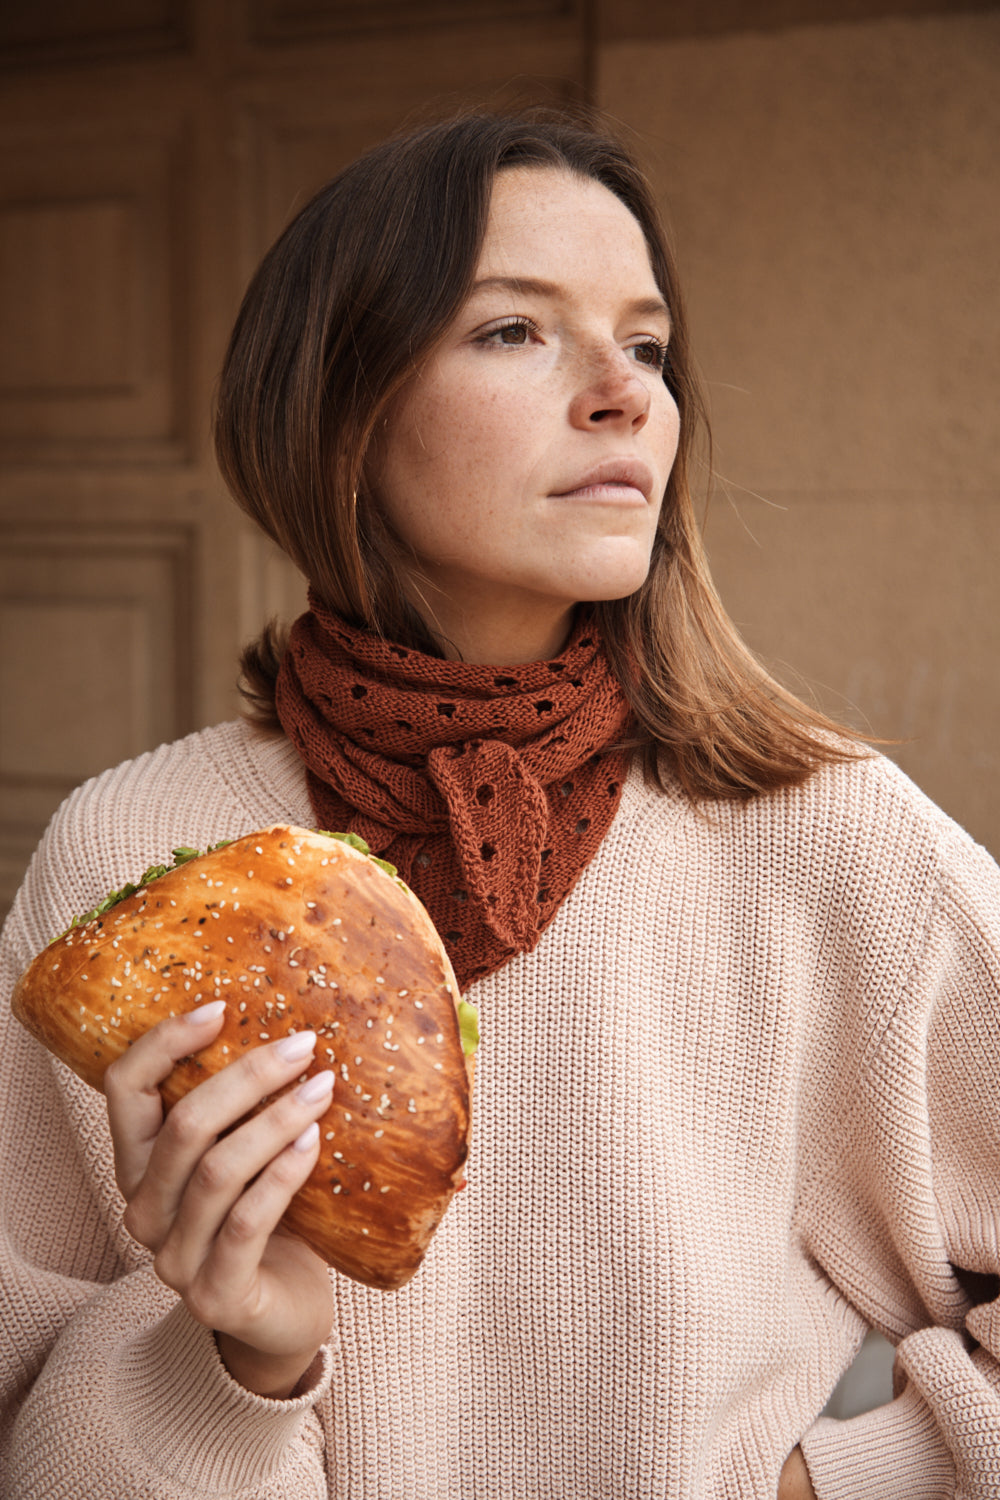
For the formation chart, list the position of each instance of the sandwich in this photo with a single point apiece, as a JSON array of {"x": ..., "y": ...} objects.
[{"x": 295, "y": 930}]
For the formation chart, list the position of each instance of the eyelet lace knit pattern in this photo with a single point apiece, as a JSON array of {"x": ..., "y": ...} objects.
[{"x": 490, "y": 788}]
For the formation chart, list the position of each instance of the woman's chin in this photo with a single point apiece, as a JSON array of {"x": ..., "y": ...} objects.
[{"x": 614, "y": 583}]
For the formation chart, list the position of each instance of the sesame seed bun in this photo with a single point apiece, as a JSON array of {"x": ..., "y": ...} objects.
[{"x": 295, "y": 930}]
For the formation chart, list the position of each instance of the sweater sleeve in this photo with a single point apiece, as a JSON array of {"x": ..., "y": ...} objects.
[
  {"x": 108, "y": 1388},
  {"x": 926, "y": 1151}
]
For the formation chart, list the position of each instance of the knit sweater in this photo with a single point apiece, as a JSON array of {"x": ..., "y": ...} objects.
[{"x": 738, "y": 1105}]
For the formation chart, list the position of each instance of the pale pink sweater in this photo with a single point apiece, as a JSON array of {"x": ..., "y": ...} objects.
[{"x": 741, "y": 1102}]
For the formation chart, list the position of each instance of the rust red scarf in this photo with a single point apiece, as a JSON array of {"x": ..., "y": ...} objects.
[{"x": 490, "y": 788}]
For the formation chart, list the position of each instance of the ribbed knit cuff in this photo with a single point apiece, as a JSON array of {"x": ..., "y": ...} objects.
[
  {"x": 895, "y": 1452},
  {"x": 188, "y": 1416}
]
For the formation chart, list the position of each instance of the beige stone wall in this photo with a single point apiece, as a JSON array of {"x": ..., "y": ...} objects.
[{"x": 834, "y": 195}]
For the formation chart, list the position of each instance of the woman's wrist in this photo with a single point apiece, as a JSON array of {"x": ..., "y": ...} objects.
[
  {"x": 795, "y": 1483},
  {"x": 276, "y": 1376}
]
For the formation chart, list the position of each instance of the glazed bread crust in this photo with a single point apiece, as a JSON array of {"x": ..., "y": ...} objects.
[{"x": 295, "y": 930}]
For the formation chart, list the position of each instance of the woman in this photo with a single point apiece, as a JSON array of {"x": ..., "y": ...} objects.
[{"x": 737, "y": 979}]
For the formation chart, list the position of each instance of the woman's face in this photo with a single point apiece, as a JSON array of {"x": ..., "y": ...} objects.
[{"x": 526, "y": 460}]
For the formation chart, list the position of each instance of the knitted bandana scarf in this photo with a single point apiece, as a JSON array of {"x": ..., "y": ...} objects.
[{"x": 486, "y": 787}]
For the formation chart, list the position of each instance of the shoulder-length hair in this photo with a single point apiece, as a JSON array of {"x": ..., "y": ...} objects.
[{"x": 356, "y": 292}]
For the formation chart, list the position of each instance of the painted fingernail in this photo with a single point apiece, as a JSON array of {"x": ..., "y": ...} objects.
[
  {"x": 210, "y": 1012},
  {"x": 299, "y": 1045},
  {"x": 307, "y": 1140},
  {"x": 314, "y": 1088}
]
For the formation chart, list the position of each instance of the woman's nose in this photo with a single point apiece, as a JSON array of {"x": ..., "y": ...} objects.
[{"x": 611, "y": 391}]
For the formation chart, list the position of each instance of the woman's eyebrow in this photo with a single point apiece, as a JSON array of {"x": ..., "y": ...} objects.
[{"x": 642, "y": 307}]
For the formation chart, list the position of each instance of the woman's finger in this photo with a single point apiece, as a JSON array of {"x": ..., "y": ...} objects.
[
  {"x": 218, "y": 1186},
  {"x": 196, "y": 1122},
  {"x": 132, "y": 1085},
  {"x": 229, "y": 1291}
]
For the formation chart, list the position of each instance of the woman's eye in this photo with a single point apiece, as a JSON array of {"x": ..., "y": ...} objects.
[
  {"x": 511, "y": 335},
  {"x": 652, "y": 354}
]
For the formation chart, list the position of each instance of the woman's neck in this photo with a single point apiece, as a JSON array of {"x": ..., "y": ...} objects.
[{"x": 498, "y": 638}]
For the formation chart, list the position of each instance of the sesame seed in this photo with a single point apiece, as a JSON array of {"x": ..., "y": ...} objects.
[
  {"x": 379, "y": 1133},
  {"x": 402, "y": 993},
  {"x": 384, "y": 1189}
]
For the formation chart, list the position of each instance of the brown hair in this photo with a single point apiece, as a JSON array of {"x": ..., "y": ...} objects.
[{"x": 356, "y": 291}]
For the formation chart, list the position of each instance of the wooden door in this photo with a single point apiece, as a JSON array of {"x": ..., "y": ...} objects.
[{"x": 149, "y": 153}]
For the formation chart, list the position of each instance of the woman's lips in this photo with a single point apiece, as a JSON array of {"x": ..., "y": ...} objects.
[{"x": 612, "y": 482}]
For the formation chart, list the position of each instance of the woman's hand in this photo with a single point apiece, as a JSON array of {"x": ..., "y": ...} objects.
[
  {"x": 794, "y": 1482},
  {"x": 206, "y": 1188}
]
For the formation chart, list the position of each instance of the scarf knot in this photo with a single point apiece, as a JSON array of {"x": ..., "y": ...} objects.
[{"x": 490, "y": 788}]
